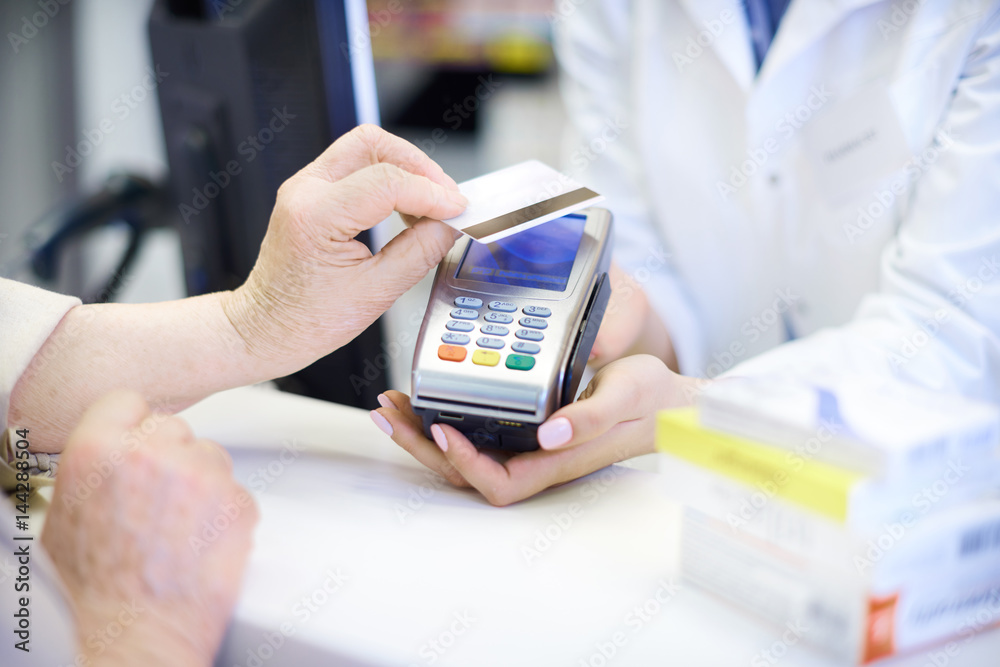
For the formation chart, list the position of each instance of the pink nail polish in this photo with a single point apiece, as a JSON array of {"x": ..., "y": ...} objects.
[
  {"x": 381, "y": 422},
  {"x": 555, "y": 433},
  {"x": 439, "y": 437},
  {"x": 386, "y": 402}
]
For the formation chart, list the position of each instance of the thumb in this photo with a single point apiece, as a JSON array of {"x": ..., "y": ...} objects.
[
  {"x": 407, "y": 258},
  {"x": 610, "y": 398},
  {"x": 108, "y": 419}
]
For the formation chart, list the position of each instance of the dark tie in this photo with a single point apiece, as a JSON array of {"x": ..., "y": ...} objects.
[{"x": 763, "y": 17}]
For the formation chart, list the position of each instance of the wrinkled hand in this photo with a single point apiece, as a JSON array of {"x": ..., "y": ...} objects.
[
  {"x": 630, "y": 326},
  {"x": 614, "y": 419},
  {"x": 149, "y": 532},
  {"x": 314, "y": 287}
]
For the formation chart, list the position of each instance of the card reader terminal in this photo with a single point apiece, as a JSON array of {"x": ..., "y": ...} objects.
[{"x": 509, "y": 328}]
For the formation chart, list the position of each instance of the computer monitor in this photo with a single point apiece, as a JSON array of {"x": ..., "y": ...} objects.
[{"x": 250, "y": 92}]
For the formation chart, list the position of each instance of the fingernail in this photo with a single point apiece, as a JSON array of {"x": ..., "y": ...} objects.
[
  {"x": 555, "y": 433},
  {"x": 438, "y": 434},
  {"x": 386, "y": 402},
  {"x": 381, "y": 422},
  {"x": 458, "y": 198}
]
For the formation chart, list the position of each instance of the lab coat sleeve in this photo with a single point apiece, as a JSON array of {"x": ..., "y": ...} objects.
[
  {"x": 935, "y": 320},
  {"x": 593, "y": 48}
]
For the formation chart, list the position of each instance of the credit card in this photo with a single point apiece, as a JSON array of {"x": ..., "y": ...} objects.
[{"x": 516, "y": 198}]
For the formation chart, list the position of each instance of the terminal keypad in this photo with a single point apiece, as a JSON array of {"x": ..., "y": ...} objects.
[{"x": 469, "y": 312}]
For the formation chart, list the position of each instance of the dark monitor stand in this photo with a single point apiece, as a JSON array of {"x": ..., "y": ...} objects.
[{"x": 250, "y": 92}]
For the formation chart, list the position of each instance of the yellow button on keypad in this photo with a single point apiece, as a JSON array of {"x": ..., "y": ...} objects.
[{"x": 486, "y": 357}]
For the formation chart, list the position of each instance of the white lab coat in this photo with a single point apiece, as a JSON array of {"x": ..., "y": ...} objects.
[{"x": 911, "y": 289}]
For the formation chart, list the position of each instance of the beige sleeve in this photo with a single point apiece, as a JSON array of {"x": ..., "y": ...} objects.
[{"x": 28, "y": 316}]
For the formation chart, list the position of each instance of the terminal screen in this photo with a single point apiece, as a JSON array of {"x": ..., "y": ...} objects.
[{"x": 540, "y": 258}]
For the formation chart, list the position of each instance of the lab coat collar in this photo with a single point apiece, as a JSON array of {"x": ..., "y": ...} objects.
[
  {"x": 805, "y": 22},
  {"x": 732, "y": 45}
]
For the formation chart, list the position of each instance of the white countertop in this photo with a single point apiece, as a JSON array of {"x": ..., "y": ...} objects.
[{"x": 365, "y": 558}]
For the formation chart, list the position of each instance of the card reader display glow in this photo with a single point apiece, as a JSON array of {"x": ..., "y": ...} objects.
[{"x": 540, "y": 258}]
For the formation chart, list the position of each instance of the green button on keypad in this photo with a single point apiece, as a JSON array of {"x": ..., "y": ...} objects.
[{"x": 519, "y": 362}]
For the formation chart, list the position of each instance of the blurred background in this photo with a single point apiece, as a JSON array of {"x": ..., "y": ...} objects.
[{"x": 120, "y": 117}]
